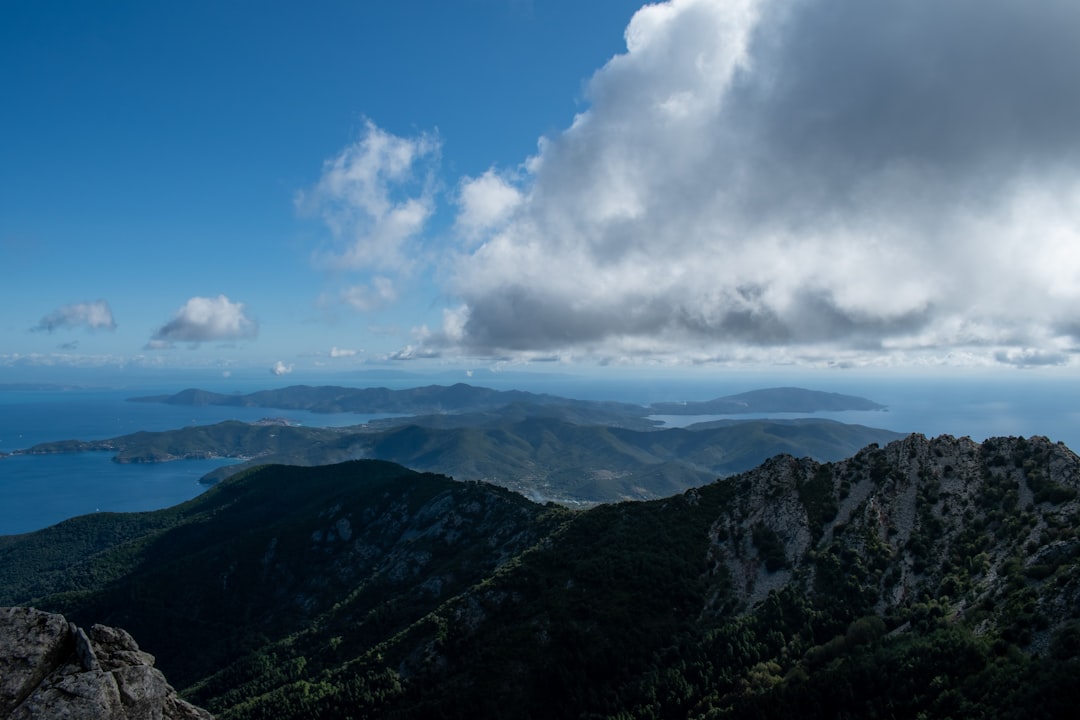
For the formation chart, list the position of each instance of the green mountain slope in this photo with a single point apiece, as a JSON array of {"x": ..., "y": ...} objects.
[
  {"x": 266, "y": 553},
  {"x": 541, "y": 457},
  {"x": 934, "y": 578}
]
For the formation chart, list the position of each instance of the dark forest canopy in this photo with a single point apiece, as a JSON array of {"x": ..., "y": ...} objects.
[{"x": 935, "y": 577}]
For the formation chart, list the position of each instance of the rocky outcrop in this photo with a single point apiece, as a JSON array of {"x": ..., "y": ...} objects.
[
  {"x": 987, "y": 529},
  {"x": 50, "y": 668}
]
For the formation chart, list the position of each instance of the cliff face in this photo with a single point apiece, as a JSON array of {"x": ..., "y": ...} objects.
[
  {"x": 969, "y": 524},
  {"x": 50, "y": 668}
]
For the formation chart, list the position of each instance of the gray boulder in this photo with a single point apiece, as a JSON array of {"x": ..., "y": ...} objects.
[{"x": 50, "y": 668}]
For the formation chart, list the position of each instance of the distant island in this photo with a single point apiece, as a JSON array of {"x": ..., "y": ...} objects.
[
  {"x": 542, "y": 446},
  {"x": 778, "y": 400},
  {"x": 461, "y": 397}
]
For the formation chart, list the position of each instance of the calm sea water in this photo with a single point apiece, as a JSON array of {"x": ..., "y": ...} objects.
[
  {"x": 37, "y": 491},
  {"x": 41, "y": 490}
]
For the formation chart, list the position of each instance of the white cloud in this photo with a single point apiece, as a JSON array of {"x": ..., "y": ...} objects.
[
  {"x": 413, "y": 352},
  {"x": 280, "y": 368},
  {"x": 375, "y": 196},
  {"x": 204, "y": 319},
  {"x": 336, "y": 352},
  {"x": 419, "y": 349},
  {"x": 485, "y": 202},
  {"x": 831, "y": 180},
  {"x": 1028, "y": 357},
  {"x": 95, "y": 315},
  {"x": 377, "y": 294}
]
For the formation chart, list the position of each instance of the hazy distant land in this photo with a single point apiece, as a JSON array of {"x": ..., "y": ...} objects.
[
  {"x": 468, "y": 398},
  {"x": 778, "y": 400},
  {"x": 543, "y": 446}
]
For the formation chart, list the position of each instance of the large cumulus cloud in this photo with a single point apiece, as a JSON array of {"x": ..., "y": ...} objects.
[{"x": 819, "y": 178}]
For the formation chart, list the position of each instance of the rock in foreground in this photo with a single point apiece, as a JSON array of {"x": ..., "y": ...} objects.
[{"x": 50, "y": 668}]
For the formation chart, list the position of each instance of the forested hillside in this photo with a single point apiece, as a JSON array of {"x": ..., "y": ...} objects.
[
  {"x": 930, "y": 577},
  {"x": 543, "y": 458}
]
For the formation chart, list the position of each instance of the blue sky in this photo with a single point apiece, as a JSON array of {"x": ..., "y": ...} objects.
[{"x": 297, "y": 187}]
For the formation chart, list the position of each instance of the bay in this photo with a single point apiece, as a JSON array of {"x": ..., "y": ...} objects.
[
  {"x": 29, "y": 417},
  {"x": 40, "y": 490}
]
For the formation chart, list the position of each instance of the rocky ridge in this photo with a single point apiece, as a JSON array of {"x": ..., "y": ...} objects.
[
  {"x": 969, "y": 524},
  {"x": 797, "y": 581},
  {"x": 51, "y": 668}
]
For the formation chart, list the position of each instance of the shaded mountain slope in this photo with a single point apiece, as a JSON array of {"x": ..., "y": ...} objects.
[
  {"x": 761, "y": 591},
  {"x": 937, "y": 576},
  {"x": 263, "y": 554}
]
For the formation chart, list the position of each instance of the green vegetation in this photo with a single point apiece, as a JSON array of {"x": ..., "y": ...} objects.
[
  {"x": 769, "y": 546},
  {"x": 540, "y": 457},
  {"x": 881, "y": 586},
  {"x": 818, "y": 497}
]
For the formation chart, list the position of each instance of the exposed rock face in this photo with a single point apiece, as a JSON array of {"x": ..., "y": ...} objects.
[
  {"x": 49, "y": 668},
  {"x": 969, "y": 524}
]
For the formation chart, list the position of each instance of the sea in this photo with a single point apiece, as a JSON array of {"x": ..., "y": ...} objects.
[{"x": 40, "y": 490}]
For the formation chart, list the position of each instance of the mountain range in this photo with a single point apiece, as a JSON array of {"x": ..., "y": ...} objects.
[
  {"x": 459, "y": 398},
  {"x": 544, "y": 446},
  {"x": 542, "y": 458},
  {"x": 923, "y": 578}
]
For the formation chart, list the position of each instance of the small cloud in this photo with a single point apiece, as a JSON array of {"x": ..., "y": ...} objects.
[
  {"x": 203, "y": 320},
  {"x": 336, "y": 352},
  {"x": 226, "y": 373},
  {"x": 281, "y": 368},
  {"x": 1030, "y": 358},
  {"x": 95, "y": 315},
  {"x": 70, "y": 346},
  {"x": 375, "y": 197},
  {"x": 414, "y": 352},
  {"x": 384, "y": 330},
  {"x": 366, "y": 298}
]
